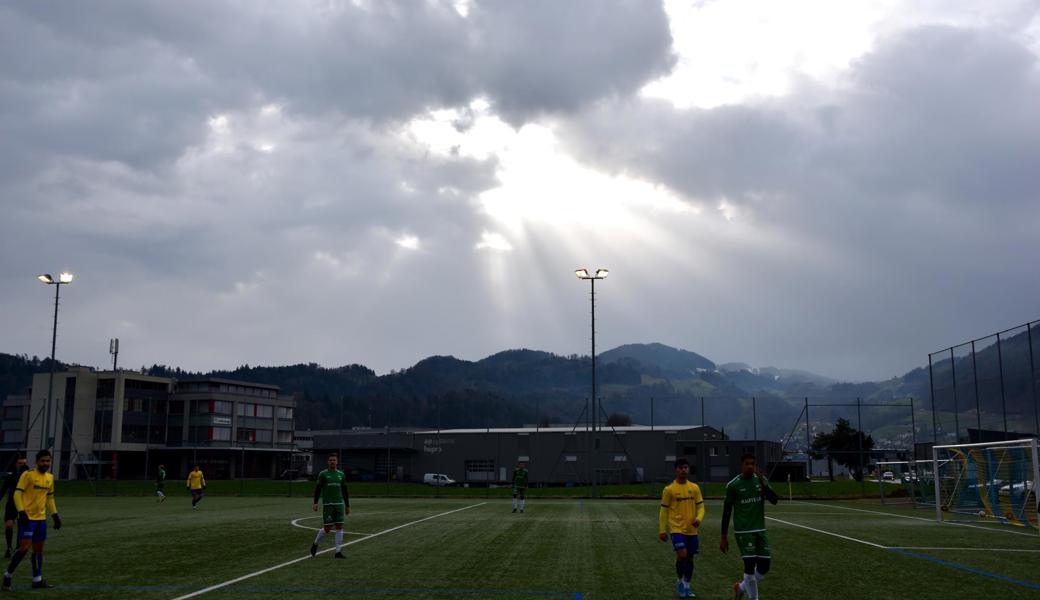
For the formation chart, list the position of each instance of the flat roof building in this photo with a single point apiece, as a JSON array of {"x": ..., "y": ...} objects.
[
  {"x": 121, "y": 424},
  {"x": 554, "y": 455}
]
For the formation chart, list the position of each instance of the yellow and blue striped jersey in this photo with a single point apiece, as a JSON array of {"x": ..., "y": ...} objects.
[
  {"x": 35, "y": 494},
  {"x": 681, "y": 503},
  {"x": 196, "y": 481}
]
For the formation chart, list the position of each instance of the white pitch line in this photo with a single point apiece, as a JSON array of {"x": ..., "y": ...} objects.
[
  {"x": 294, "y": 561},
  {"x": 296, "y": 523},
  {"x": 813, "y": 513},
  {"x": 844, "y": 537},
  {"x": 886, "y": 514}
]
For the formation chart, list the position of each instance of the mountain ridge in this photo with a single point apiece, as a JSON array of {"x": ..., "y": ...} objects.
[{"x": 525, "y": 386}]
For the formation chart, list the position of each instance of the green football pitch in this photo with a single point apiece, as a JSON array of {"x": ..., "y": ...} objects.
[{"x": 559, "y": 549}]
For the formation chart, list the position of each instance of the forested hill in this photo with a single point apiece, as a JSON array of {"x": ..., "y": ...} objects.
[
  {"x": 517, "y": 387},
  {"x": 16, "y": 372}
]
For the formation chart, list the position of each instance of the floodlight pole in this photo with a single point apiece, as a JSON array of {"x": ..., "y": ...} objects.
[
  {"x": 598, "y": 274},
  {"x": 45, "y": 441},
  {"x": 595, "y": 415}
]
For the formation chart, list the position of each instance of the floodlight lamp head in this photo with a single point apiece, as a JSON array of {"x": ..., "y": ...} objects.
[
  {"x": 602, "y": 273},
  {"x": 45, "y": 278},
  {"x": 582, "y": 273},
  {"x": 65, "y": 277}
]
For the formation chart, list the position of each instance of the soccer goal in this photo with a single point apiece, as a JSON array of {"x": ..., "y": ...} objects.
[{"x": 991, "y": 482}]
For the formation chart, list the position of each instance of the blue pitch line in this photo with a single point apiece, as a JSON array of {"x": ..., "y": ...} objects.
[{"x": 967, "y": 569}]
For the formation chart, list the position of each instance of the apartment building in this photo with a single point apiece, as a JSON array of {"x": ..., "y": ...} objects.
[{"x": 120, "y": 424}]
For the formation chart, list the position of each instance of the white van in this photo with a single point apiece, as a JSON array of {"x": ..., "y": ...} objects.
[{"x": 437, "y": 479}]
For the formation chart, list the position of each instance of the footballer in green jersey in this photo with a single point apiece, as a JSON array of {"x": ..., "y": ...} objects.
[
  {"x": 332, "y": 492},
  {"x": 746, "y": 495},
  {"x": 520, "y": 485}
]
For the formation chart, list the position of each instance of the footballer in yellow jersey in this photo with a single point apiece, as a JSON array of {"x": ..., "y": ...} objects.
[
  {"x": 33, "y": 498},
  {"x": 682, "y": 510},
  {"x": 197, "y": 485}
]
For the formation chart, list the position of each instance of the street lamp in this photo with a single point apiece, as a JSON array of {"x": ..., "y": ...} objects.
[
  {"x": 63, "y": 279},
  {"x": 600, "y": 274}
]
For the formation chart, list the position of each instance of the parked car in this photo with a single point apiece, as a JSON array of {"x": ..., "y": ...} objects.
[
  {"x": 888, "y": 476},
  {"x": 437, "y": 479}
]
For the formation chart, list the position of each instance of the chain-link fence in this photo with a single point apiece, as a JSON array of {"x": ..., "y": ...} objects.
[{"x": 987, "y": 389}]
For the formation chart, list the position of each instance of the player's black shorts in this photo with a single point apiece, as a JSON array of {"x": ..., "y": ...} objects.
[{"x": 10, "y": 512}]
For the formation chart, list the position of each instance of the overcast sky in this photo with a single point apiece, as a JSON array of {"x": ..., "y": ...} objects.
[{"x": 800, "y": 184}]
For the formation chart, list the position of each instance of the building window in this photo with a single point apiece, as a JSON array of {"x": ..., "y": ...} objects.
[
  {"x": 246, "y": 435},
  {"x": 134, "y": 434},
  {"x": 285, "y": 412},
  {"x": 713, "y": 451},
  {"x": 264, "y": 435},
  {"x": 260, "y": 411},
  {"x": 220, "y": 407},
  {"x": 133, "y": 404},
  {"x": 176, "y": 407},
  {"x": 220, "y": 434},
  {"x": 106, "y": 388},
  {"x": 285, "y": 437}
]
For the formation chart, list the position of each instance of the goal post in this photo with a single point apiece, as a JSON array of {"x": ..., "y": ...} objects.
[{"x": 993, "y": 482}]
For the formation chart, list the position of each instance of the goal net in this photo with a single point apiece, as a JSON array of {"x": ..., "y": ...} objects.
[{"x": 992, "y": 482}]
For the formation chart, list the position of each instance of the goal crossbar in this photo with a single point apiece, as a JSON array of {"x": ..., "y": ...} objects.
[{"x": 1024, "y": 442}]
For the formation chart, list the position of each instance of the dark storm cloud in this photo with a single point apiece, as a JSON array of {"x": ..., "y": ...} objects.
[
  {"x": 132, "y": 82},
  {"x": 230, "y": 177},
  {"x": 916, "y": 176},
  {"x": 947, "y": 114}
]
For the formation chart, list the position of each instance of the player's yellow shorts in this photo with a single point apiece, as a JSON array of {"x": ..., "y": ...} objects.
[
  {"x": 333, "y": 514},
  {"x": 754, "y": 544}
]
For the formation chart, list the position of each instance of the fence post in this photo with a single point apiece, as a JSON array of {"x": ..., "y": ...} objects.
[
  {"x": 754, "y": 417},
  {"x": 975, "y": 379},
  {"x": 931, "y": 387},
  {"x": 1032, "y": 378},
  {"x": 808, "y": 448},
  {"x": 1003, "y": 399},
  {"x": 956, "y": 408},
  {"x": 859, "y": 448}
]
